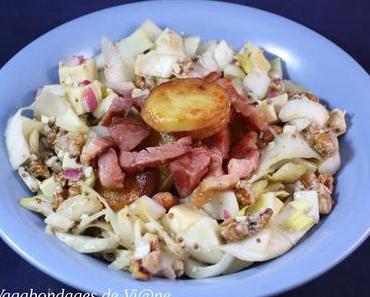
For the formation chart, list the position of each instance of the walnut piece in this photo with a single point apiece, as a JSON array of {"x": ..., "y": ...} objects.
[
  {"x": 337, "y": 122},
  {"x": 74, "y": 189},
  {"x": 166, "y": 199},
  {"x": 267, "y": 136},
  {"x": 52, "y": 135},
  {"x": 323, "y": 143},
  {"x": 324, "y": 185},
  {"x": 76, "y": 142},
  {"x": 237, "y": 229},
  {"x": 244, "y": 193},
  {"x": 138, "y": 272},
  {"x": 38, "y": 168},
  {"x": 312, "y": 97}
]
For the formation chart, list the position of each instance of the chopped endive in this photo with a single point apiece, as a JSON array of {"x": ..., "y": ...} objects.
[
  {"x": 71, "y": 122},
  {"x": 70, "y": 163},
  {"x": 69, "y": 75},
  {"x": 244, "y": 62},
  {"x": 145, "y": 208},
  {"x": 289, "y": 173},
  {"x": 278, "y": 101},
  {"x": 276, "y": 70},
  {"x": 253, "y": 59},
  {"x": 104, "y": 105},
  {"x": 151, "y": 29},
  {"x": 300, "y": 124},
  {"x": 304, "y": 109},
  {"x": 86, "y": 244},
  {"x": 301, "y": 205},
  {"x": 268, "y": 110},
  {"x": 233, "y": 71},
  {"x": 15, "y": 140},
  {"x": 259, "y": 187},
  {"x": 58, "y": 223},
  {"x": 288, "y": 145},
  {"x": 38, "y": 203},
  {"x": 223, "y": 205},
  {"x": 266, "y": 200},
  {"x": 203, "y": 241},
  {"x": 258, "y": 83},
  {"x": 137, "y": 43},
  {"x": 298, "y": 221},
  {"x": 34, "y": 141},
  {"x": 191, "y": 45},
  {"x": 223, "y": 54},
  {"x": 311, "y": 197},
  {"x": 49, "y": 187},
  {"x": 169, "y": 43}
]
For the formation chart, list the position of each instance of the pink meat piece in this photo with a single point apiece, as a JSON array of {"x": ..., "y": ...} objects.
[
  {"x": 250, "y": 113},
  {"x": 220, "y": 141},
  {"x": 237, "y": 169},
  {"x": 219, "y": 183},
  {"x": 245, "y": 145},
  {"x": 154, "y": 156},
  {"x": 95, "y": 147},
  {"x": 120, "y": 107},
  {"x": 215, "y": 166},
  {"x": 213, "y": 76},
  {"x": 188, "y": 170},
  {"x": 243, "y": 168},
  {"x": 128, "y": 135},
  {"x": 110, "y": 173},
  {"x": 139, "y": 101}
]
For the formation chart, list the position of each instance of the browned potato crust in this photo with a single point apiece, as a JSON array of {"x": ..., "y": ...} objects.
[{"x": 186, "y": 105}]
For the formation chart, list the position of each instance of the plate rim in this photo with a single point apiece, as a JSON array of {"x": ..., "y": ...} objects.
[{"x": 304, "y": 278}]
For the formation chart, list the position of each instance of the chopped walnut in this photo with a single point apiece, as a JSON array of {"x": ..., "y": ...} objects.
[
  {"x": 276, "y": 86},
  {"x": 74, "y": 189},
  {"x": 182, "y": 67},
  {"x": 59, "y": 178},
  {"x": 326, "y": 202},
  {"x": 267, "y": 136},
  {"x": 244, "y": 194},
  {"x": 323, "y": 143},
  {"x": 327, "y": 180},
  {"x": 77, "y": 141},
  {"x": 166, "y": 199},
  {"x": 312, "y": 97},
  {"x": 337, "y": 122},
  {"x": 237, "y": 229},
  {"x": 51, "y": 135},
  {"x": 38, "y": 168},
  {"x": 324, "y": 185},
  {"x": 142, "y": 82},
  {"x": 58, "y": 199},
  {"x": 138, "y": 272},
  {"x": 309, "y": 180}
]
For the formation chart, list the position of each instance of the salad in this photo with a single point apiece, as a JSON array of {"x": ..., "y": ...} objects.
[{"x": 169, "y": 156}]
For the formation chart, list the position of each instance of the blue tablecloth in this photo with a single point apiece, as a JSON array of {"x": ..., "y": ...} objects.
[{"x": 347, "y": 23}]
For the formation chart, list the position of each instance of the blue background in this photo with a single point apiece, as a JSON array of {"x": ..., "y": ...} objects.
[{"x": 347, "y": 23}]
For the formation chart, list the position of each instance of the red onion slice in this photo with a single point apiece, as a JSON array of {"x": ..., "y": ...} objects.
[
  {"x": 72, "y": 174},
  {"x": 85, "y": 82},
  {"x": 226, "y": 214},
  {"x": 91, "y": 101}
]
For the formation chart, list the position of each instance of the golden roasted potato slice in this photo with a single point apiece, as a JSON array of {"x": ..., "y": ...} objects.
[{"x": 182, "y": 105}]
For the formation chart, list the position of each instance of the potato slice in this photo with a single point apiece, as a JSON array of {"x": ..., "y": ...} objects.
[
  {"x": 186, "y": 105},
  {"x": 204, "y": 132}
]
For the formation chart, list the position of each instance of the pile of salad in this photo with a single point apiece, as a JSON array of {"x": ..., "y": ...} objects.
[{"x": 169, "y": 156}]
